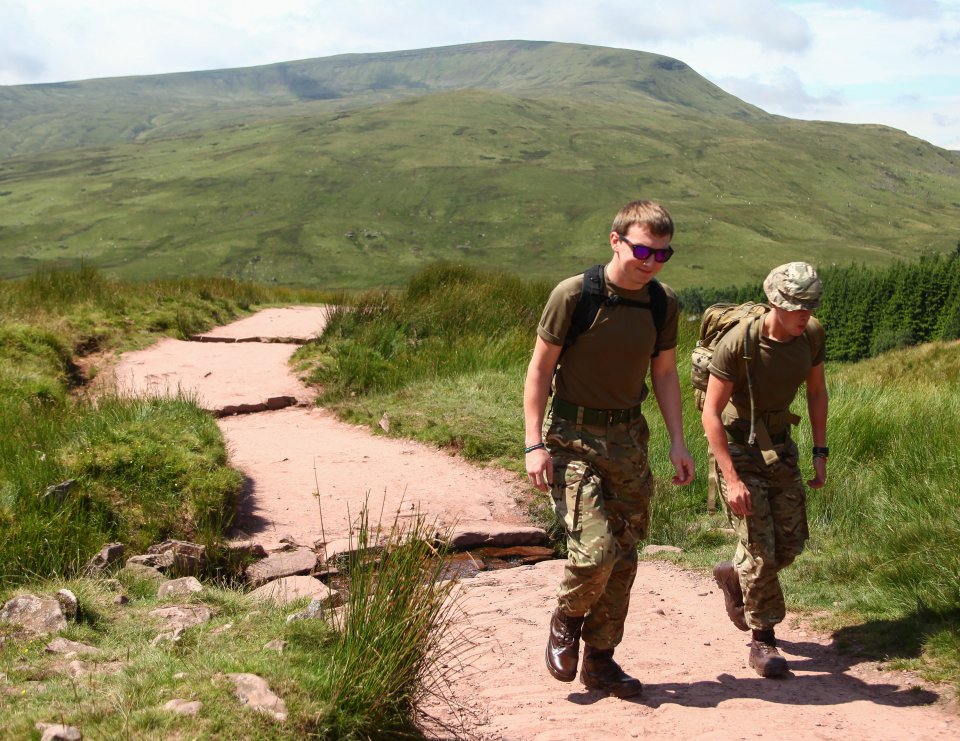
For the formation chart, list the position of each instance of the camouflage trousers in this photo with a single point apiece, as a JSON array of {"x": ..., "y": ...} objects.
[
  {"x": 601, "y": 492},
  {"x": 774, "y": 535}
]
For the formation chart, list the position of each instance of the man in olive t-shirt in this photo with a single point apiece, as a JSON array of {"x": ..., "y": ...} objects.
[
  {"x": 590, "y": 452},
  {"x": 760, "y": 479}
]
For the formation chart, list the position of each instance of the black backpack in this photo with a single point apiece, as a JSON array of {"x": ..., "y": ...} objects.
[{"x": 593, "y": 295}]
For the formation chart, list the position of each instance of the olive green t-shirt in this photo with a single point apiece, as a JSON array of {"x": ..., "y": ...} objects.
[
  {"x": 777, "y": 372},
  {"x": 606, "y": 368}
]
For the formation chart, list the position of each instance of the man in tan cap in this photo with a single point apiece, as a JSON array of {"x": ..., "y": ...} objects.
[{"x": 757, "y": 460}]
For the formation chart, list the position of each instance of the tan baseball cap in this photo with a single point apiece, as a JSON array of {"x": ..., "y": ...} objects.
[{"x": 793, "y": 286}]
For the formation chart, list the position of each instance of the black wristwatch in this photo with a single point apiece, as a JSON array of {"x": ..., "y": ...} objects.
[{"x": 821, "y": 452}]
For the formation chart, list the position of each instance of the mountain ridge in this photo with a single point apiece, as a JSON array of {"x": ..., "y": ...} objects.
[
  {"x": 365, "y": 189},
  {"x": 347, "y": 80}
]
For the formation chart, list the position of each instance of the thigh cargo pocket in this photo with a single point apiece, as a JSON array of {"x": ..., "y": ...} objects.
[{"x": 569, "y": 478}]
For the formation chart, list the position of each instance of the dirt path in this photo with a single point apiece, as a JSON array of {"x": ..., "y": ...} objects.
[{"x": 300, "y": 461}]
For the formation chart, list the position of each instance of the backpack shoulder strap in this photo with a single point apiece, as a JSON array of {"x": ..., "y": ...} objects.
[
  {"x": 658, "y": 307},
  {"x": 592, "y": 296}
]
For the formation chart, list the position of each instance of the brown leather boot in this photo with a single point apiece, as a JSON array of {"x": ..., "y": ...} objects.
[
  {"x": 727, "y": 579},
  {"x": 601, "y": 672},
  {"x": 764, "y": 657},
  {"x": 563, "y": 647}
]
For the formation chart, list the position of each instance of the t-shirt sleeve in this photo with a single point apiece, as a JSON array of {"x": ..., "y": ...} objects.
[
  {"x": 816, "y": 336},
  {"x": 558, "y": 311},
  {"x": 667, "y": 339},
  {"x": 725, "y": 361}
]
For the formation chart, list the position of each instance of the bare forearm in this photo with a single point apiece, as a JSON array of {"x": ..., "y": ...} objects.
[
  {"x": 817, "y": 405},
  {"x": 717, "y": 440},
  {"x": 535, "y": 391}
]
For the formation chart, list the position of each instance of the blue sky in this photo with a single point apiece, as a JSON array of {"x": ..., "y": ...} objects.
[{"x": 892, "y": 62}]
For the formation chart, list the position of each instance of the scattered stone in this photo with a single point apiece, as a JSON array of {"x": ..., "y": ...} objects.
[
  {"x": 184, "y": 707},
  {"x": 182, "y": 616},
  {"x": 222, "y": 629},
  {"x": 36, "y": 616},
  {"x": 69, "y": 604},
  {"x": 143, "y": 571},
  {"x": 279, "y": 565},
  {"x": 342, "y": 550},
  {"x": 121, "y": 599},
  {"x": 59, "y": 491},
  {"x": 160, "y": 562},
  {"x": 652, "y": 549},
  {"x": 179, "y": 587},
  {"x": 291, "y": 588},
  {"x": 275, "y": 645},
  {"x": 385, "y": 422},
  {"x": 57, "y": 732},
  {"x": 69, "y": 648},
  {"x": 255, "y": 693},
  {"x": 245, "y": 549},
  {"x": 485, "y": 534},
  {"x": 187, "y": 559},
  {"x": 109, "y": 555},
  {"x": 326, "y": 572},
  {"x": 77, "y": 668}
]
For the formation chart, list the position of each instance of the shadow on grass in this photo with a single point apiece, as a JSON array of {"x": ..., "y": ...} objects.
[{"x": 902, "y": 638}]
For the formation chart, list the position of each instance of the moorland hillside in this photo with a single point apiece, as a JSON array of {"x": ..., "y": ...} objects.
[{"x": 356, "y": 171}]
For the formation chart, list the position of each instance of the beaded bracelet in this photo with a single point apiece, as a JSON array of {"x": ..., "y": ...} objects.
[{"x": 531, "y": 448}]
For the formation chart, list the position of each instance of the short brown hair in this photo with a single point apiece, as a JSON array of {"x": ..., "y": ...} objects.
[{"x": 644, "y": 213}]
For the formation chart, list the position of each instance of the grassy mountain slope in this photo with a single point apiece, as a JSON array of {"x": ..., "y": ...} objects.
[
  {"x": 525, "y": 177},
  {"x": 36, "y": 118}
]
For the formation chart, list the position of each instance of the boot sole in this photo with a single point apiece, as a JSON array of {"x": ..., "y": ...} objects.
[
  {"x": 619, "y": 691},
  {"x": 734, "y": 611}
]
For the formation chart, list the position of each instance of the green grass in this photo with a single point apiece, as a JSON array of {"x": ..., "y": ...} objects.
[{"x": 142, "y": 470}]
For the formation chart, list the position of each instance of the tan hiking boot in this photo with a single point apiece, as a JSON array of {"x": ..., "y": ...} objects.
[
  {"x": 764, "y": 656},
  {"x": 727, "y": 579},
  {"x": 600, "y": 672},
  {"x": 563, "y": 646}
]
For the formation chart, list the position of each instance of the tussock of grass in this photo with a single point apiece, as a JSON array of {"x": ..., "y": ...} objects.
[{"x": 383, "y": 658}]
